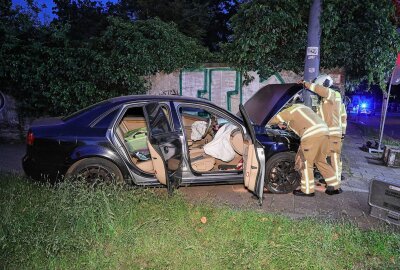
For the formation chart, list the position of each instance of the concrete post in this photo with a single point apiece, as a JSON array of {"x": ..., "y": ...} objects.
[{"x": 311, "y": 65}]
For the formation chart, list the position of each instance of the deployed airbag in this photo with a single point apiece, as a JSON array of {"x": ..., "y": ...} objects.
[
  {"x": 220, "y": 147},
  {"x": 198, "y": 130}
]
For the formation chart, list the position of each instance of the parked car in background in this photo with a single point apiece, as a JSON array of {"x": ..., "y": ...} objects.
[{"x": 165, "y": 140}]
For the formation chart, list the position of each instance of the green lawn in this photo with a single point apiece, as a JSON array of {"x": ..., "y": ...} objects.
[{"x": 73, "y": 227}]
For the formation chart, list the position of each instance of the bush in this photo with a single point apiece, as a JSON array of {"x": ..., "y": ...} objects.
[{"x": 51, "y": 74}]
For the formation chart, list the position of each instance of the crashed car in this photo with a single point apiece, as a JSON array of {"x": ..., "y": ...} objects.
[{"x": 165, "y": 140}]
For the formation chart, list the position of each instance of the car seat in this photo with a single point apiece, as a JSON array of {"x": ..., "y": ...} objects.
[{"x": 200, "y": 161}]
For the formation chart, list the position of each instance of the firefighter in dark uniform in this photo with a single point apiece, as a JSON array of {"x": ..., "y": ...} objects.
[
  {"x": 330, "y": 111},
  {"x": 313, "y": 146}
]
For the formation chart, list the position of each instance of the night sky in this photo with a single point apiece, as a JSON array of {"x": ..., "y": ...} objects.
[{"x": 46, "y": 14}]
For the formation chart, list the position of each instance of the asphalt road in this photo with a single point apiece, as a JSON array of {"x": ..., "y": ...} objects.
[{"x": 11, "y": 157}]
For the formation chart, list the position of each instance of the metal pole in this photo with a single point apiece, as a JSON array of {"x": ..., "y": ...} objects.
[
  {"x": 311, "y": 63},
  {"x": 384, "y": 115}
]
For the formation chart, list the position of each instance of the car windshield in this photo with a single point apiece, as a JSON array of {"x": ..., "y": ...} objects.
[{"x": 68, "y": 117}]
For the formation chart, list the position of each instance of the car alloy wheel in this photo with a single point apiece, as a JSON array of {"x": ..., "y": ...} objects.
[
  {"x": 95, "y": 171},
  {"x": 280, "y": 176}
]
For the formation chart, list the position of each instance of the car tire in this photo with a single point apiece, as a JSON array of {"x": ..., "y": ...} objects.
[
  {"x": 280, "y": 175},
  {"x": 95, "y": 171}
]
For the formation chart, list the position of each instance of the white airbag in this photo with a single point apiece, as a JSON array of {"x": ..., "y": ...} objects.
[
  {"x": 220, "y": 147},
  {"x": 198, "y": 130}
]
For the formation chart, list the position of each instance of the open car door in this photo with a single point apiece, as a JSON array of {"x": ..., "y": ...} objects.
[
  {"x": 254, "y": 160},
  {"x": 165, "y": 146}
]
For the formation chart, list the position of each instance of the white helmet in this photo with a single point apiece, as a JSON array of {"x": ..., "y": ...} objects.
[{"x": 324, "y": 80}]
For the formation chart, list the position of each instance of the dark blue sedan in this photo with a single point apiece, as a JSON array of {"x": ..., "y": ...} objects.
[{"x": 169, "y": 140}]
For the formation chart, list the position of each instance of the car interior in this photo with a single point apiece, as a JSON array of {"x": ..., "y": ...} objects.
[
  {"x": 200, "y": 161},
  {"x": 132, "y": 131}
]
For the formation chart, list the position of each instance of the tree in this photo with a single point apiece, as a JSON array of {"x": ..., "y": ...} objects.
[
  {"x": 191, "y": 17},
  {"x": 268, "y": 36},
  {"x": 51, "y": 73},
  {"x": 86, "y": 18},
  {"x": 206, "y": 21},
  {"x": 360, "y": 36}
]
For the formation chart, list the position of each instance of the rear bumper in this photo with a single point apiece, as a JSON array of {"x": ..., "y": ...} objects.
[{"x": 42, "y": 172}]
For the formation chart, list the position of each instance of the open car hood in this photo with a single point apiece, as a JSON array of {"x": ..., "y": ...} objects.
[{"x": 269, "y": 100}]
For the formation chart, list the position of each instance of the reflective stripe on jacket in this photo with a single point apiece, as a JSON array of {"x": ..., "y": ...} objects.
[
  {"x": 330, "y": 107},
  {"x": 343, "y": 117},
  {"x": 301, "y": 120}
]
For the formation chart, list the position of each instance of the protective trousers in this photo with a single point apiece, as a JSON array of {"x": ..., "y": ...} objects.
[
  {"x": 334, "y": 154},
  {"x": 314, "y": 150}
]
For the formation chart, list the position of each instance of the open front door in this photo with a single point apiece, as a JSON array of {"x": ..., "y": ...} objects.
[
  {"x": 165, "y": 146},
  {"x": 254, "y": 160}
]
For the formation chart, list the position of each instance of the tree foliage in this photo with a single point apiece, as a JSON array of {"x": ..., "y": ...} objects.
[
  {"x": 206, "y": 21},
  {"x": 360, "y": 36},
  {"x": 268, "y": 36},
  {"x": 51, "y": 71}
]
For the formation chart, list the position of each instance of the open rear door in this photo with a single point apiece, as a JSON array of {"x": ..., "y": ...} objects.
[
  {"x": 165, "y": 146},
  {"x": 254, "y": 160}
]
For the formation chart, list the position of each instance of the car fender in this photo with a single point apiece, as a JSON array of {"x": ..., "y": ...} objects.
[{"x": 88, "y": 151}]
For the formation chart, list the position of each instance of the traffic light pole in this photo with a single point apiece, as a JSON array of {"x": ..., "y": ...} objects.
[{"x": 311, "y": 63}]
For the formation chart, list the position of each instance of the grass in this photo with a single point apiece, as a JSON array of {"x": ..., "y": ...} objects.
[{"x": 74, "y": 227}]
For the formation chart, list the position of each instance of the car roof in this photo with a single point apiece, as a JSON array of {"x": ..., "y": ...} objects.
[
  {"x": 89, "y": 114},
  {"x": 132, "y": 98}
]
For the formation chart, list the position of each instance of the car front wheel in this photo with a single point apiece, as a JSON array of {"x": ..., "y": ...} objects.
[
  {"x": 95, "y": 171},
  {"x": 280, "y": 175}
]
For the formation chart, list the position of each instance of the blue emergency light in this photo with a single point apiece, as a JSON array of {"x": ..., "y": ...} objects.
[{"x": 363, "y": 105}]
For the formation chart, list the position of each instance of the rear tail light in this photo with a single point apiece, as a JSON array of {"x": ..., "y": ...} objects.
[{"x": 30, "y": 138}]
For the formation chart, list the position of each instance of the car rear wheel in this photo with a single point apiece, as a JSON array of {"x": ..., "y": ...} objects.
[
  {"x": 280, "y": 175},
  {"x": 95, "y": 171}
]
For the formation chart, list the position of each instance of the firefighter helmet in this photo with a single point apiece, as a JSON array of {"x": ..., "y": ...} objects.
[{"x": 324, "y": 80}]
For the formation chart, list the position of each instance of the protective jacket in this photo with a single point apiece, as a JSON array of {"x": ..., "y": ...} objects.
[
  {"x": 343, "y": 117},
  {"x": 302, "y": 121},
  {"x": 330, "y": 107}
]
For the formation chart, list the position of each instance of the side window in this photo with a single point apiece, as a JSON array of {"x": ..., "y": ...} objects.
[
  {"x": 199, "y": 113},
  {"x": 199, "y": 122},
  {"x": 159, "y": 122}
]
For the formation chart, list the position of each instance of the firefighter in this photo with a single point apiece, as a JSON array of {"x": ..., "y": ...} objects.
[
  {"x": 330, "y": 112},
  {"x": 313, "y": 145}
]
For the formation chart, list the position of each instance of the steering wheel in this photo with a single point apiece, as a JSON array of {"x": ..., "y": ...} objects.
[{"x": 209, "y": 128}]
